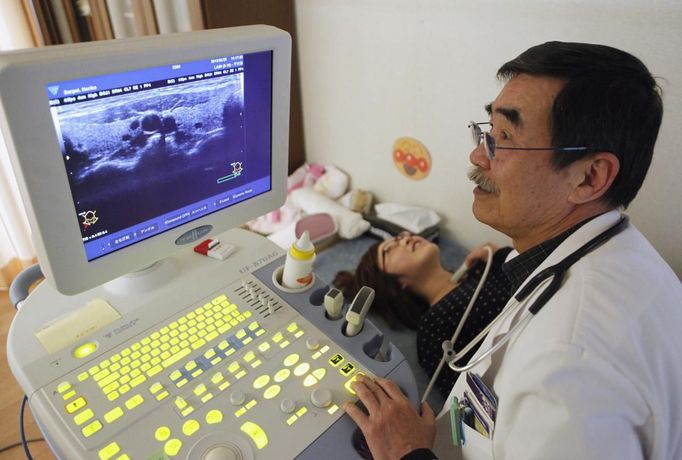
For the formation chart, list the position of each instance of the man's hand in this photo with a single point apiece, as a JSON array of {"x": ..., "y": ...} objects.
[
  {"x": 392, "y": 427},
  {"x": 480, "y": 253}
]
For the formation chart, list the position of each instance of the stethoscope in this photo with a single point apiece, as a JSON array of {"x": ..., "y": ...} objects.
[{"x": 551, "y": 277}]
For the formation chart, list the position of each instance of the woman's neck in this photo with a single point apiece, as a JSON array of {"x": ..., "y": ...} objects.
[{"x": 433, "y": 285}]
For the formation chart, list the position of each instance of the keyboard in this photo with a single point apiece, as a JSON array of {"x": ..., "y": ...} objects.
[{"x": 242, "y": 369}]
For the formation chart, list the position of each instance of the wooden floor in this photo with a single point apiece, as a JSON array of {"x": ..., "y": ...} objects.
[{"x": 10, "y": 401}]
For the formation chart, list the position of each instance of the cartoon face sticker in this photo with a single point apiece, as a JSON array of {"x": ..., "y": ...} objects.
[{"x": 411, "y": 158}]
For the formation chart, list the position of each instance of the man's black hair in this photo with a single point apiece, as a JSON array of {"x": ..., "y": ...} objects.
[{"x": 610, "y": 103}]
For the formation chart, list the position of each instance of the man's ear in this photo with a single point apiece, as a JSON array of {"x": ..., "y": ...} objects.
[{"x": 594, "y": 176}]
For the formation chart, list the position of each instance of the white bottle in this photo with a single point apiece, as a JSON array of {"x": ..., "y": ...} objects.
[{"x": 298, "y": 266}]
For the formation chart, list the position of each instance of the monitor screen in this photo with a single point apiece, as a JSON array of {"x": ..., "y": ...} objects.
[
  {"x": 147, "y": 150},
  {"x": 127, "y": 151}
]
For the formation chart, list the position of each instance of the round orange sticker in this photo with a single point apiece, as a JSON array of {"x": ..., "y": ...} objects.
[{"x": 411, "y": 158}]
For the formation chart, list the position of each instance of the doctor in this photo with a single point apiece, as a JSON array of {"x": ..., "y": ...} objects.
[{"x": 596, "y": 373}]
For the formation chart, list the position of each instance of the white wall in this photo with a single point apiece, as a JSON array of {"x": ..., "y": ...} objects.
[{"x": 375, "y": 70}]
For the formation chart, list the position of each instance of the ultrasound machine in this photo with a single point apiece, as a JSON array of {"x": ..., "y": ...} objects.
[{"x": 128, "y": 154}]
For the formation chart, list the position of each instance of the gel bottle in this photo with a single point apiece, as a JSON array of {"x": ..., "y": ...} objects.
[{"x": 298, "y": 266}]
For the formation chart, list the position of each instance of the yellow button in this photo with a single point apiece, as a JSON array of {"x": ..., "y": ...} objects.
[
  {"x": 292, "y": 327},
  {"x": 180, "y": 402},
  {"x": 190, "y": 427},
  {"x": 172, "y": 447},
  {"x": 350, "y": 381},
  {"x": 113, "y": 415},
  {"x": 256, "y": 433},
  {"x": 200, "y": 389},
  {"x": 76, "y": 404},
  {"x": 253, "y": 326},
  {"x": 135, "y": 401},
  {"x": 69, "y": 395},
  {"x": 347, "y": 369},
  {"x": 291, "y": 359},
  {"x": 92, "y": 428},
  {"x": 162, "y": 433},
  {"x": 292, "y": 419},
  {"x": 309, "y": 381},
  {"x": 217, "y": 378},
  {"x": 263, "y": 347},
  {"x": 301, "y": 411},
  {"x": 261, "y": 381},
  {"x": 277, "y": 337},
  {"x": 83, "y": 417},
  {"x": 248, "y": 357},
  {"x": 271, "y": 391},
  {"x": 84, "y": 350},
  {"x": 137, "y": 380},
  {"x": 301, "y": 369},
  {"x": 332, "y": 409},
  {"x": 214, "y": 416},
  {"x": 320, "y": 373},
  {"x": 241, "y": 333},
  {"x": 155, "y": 388},
  {"x": 63, "y": 387},
  {"x": 109, "y": 451},
  {"x": 336, "y": 359},
  {"x": 83, "y": 376},
  {"x": 282, "y": 375},
  {"x": 233, "y": 367}
]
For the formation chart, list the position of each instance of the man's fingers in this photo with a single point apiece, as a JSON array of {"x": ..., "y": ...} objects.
[
  {"x": 427, "y": 413},
  {"x": 355, "y": 414},
  {"x": 366, "y": 395},
  {"x": 391, "y": 389}
]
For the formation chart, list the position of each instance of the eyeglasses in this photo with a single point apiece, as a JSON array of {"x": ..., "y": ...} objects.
[
  {"x": 477, "y": 134},
  {"x": 390, "y": 244}
]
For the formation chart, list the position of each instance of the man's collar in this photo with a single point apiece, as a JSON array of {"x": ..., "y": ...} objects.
[{"x": 519, "y": 268}]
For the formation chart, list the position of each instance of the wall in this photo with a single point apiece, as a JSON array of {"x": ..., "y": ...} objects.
[{"x": 375, "y": 70}]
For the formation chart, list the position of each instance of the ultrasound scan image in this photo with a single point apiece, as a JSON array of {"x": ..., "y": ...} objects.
[{"x": 136, "y": 156}]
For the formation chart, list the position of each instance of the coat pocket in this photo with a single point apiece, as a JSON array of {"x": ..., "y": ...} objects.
[{"x": 476, "y": 446}]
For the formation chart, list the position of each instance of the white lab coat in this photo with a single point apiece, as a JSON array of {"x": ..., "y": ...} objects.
[{"x": 596, "y": 374}]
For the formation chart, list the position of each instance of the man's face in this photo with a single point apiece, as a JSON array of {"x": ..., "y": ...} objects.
[{"x": 528, "y": 196}]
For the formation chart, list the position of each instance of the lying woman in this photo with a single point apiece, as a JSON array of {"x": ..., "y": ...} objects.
[{"x": 413, "y": 290}]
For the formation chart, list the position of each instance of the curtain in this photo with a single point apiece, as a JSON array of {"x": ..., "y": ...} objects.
[{"x": 16, "y": 250}]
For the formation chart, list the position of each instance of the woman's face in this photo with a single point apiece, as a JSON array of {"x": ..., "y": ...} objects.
[{"x": 407, "y": 255}]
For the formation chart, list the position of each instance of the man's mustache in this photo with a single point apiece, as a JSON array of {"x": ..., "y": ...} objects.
[{"x": 476, "y": 176}]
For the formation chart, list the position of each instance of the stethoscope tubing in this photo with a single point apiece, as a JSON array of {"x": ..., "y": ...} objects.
[{"x": 553, "y": 275}]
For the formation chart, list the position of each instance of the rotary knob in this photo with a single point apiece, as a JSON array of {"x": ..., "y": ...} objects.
[
  {"x": 287, "y": 406},
  {"x": 237, "y": 398},
  {"x": 312, "y": 343},
  {"x": 223, "y": 452},
  {"x": 321, "y": 397}
]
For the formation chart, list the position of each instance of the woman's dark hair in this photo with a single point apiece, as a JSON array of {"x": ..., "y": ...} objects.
[
  {"x": 610, "y": 103},
  {"x": 396, "y": 305}
]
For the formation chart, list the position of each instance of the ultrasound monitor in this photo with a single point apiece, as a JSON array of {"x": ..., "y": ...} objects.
[{"x": 129, "y": 150}]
